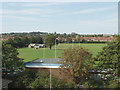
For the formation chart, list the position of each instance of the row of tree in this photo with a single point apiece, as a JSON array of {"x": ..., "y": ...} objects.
[
  {"x": 24, "y": 41},
  {"x": 19, "y": 42},
  {"x": 45, "y": 33},
  {"x": 49, "y": 40}
]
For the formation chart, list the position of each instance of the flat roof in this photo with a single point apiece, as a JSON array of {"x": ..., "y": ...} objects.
[
  {"x": 43, "y": 63},
  {"x": 49, "y": 61}
]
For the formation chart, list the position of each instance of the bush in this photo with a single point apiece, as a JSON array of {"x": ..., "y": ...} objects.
[{"x": 93, "y": 83}]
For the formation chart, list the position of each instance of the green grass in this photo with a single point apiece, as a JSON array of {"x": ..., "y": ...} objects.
[{"x": 29, "y": 54}]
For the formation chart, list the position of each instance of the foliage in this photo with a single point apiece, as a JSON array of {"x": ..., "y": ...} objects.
[
  {"x": 40, "y": 79},
  {"x": 78, "y": 61},
  {"x": 43, "y": 81},
  {"x": 50, "y": 40},
  {"x": 93, "y": 83},
  {"x": 10, "y": 61},
  {"x": 110, "y": 56},
  {"x": 58, "y": 83},
  {"x": 24, "y": 41},
  {"x": 109, "y": 59},
  {"x": 114, "y": 83},
  {"x": 25, "y": 79},
  {"x": 36, "y": 39}
]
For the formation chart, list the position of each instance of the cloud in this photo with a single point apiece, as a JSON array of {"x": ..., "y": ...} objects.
[
  {"x": 25, "y": 18},
  {"x": 28, "y": 8},
  {"x": 3, "y": 12},
  {"x": 20, "y": 18},
  {"x": 108, "y": 25},
  {"x": 32, "y": 11},
  {"x": 91, "y": 10},
  {"x": 40, "y": 4},
  {"x": 29, "y": 4}
]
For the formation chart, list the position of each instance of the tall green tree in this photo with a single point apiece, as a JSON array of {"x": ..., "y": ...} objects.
[
  {"x": 10, "y": 41},
  {"x": 78, "y": 62},
  {"x": 38, "y": 39},
  {"x": 51, "y": 40},
  {"x": 108, "y": 59},
  {"x": 32, "y": 39},
  {"x": 10, "y": 59},
  {"x": 25, "y": 41},
  {"x": 17, "y": 42},
  {"x": 110, "y": 56}
]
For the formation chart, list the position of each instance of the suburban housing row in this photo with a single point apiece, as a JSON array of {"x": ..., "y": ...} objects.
[{"x": 100, "y": 39}]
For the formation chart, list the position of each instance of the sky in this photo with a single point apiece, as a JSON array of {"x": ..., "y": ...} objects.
[{"x": 60, "y": 17}]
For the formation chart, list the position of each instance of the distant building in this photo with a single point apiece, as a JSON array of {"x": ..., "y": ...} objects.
[
  {"x": 31, "y": 45},
  {"x": 101, "y": 39},
  {"x": 85, "y": 38},
  {"x": 36, "y": 45},
  {"x": 43, "y": 63}
]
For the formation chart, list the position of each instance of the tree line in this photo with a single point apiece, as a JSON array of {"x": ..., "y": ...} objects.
[
  {"x": 44, "y": 33},
  {"x": 19, "y": 42},
  {"x": 48, "y": 39},
  {"x": 24, "y": 41}
]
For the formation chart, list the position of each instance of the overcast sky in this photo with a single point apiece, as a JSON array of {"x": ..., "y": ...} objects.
[{"x": 79, "y": 17}]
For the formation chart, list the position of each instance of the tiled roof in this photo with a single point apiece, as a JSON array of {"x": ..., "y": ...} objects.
[{"x": 97, "y": 38}]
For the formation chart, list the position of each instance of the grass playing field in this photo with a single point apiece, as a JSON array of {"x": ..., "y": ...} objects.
[{"x": 29, "y": 54}]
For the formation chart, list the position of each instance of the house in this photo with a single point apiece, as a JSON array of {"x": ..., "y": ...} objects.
[
  {"x": 31, "y": 45},
  {"x": 41, "y": 45},
  {"x": 89, "y": 39},
  {"x": 101, "y": 39},
  {"x": 36, "y": 45}
]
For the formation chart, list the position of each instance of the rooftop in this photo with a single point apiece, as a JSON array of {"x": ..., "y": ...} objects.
[{"x": 43, "y": 63}]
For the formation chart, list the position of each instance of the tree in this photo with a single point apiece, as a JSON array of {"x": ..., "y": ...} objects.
[
  {"x": 108, "y": 59},
  {"x": 78, "y": 62},
  {"x": 38, "y": 39},
  {"x": 39, "y": 79},
  {"x": 32, "y": 39},
  {"x": 43, "y": 81},
  {"x": 10, "y": 41},
  {"x": 78, "y": 39},
  {"x": 25, "y": 41},
  {"x": 50, "y": 40},
  {"x": 25, "y": 80},
  {"x": 10, "y": 61},
  {"x": 93, "y": 83},
  {"x": 17, "y": 42},
  {"x": 69, "y": 39}
]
